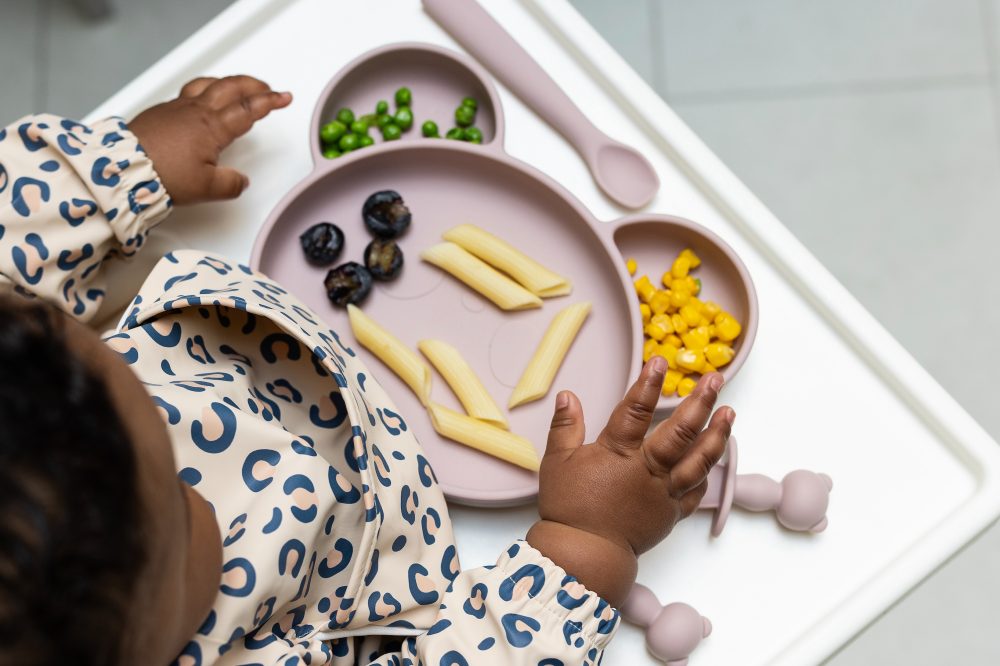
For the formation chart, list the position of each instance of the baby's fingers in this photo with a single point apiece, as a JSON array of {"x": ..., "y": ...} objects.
[
  {"x": 631, "y": 418},
  {"x": 693, "y": 468},
  {"x": 671, "y": 439},
  {"x": 239, "y": 117}
]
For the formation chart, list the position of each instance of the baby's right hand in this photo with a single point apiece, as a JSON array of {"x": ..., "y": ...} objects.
[{"x": 603, "y": 504}]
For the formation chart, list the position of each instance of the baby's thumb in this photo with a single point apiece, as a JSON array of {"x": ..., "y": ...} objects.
[{"x": 567, "y": 429}]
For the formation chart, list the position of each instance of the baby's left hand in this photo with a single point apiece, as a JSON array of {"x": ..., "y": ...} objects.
[{"x": 184, "y": 137}]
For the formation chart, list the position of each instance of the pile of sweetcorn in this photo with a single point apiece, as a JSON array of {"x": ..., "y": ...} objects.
[{"x": 694, "y": 336}]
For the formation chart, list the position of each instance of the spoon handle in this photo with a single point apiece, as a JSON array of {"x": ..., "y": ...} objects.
[{"x": 483, "y": 37}]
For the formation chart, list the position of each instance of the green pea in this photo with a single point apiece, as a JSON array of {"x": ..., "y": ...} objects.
[
  {"x": 430, "y": 129},
  {"x": 404, "y": 118},
  {"x": 345, "y": 116},
  {"x": 366, "y": 141},
  {"x": 359, "y": 127},
  {"x": 349, "y": 142},
  {"x": 403, "y": 97},
  {"x": 474, "y": 135},
  {"x": 456, "y": 133},
  {"x": 464, "y": 116},
  {"x": 331, "y": 132},
  {"x": 470, "y": 102},
  {"x": 331, "y": 153},
  {"x": 383, "y": 119},
  {"x": 391, "y": 132},
  {"x": 382, "y": 107}
]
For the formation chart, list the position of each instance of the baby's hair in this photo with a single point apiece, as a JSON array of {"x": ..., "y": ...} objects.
[{"x": 71, "y": 546}]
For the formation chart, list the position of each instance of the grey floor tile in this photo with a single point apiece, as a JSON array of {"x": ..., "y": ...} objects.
[
  {"x": 628, "y": 28},
  {"x": 88, "y": 61},
  {"x": 899, "y": 195},
  {"x": 19, "y": 46},
  {"x": 716, "y": 46}
]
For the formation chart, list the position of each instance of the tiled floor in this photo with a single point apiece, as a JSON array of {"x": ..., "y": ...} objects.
[{"x": 870, "y": 128}]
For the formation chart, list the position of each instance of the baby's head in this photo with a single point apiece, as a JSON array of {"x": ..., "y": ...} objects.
[{"x": 105, "y": 556}]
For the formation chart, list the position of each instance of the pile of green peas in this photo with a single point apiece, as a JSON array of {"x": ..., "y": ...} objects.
[
  {"x": 348, "y": 133},
  {"x": 465, "y": 119}
]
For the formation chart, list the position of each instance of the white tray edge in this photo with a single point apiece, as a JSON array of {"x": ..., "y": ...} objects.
[{"x": 972, "y": 445}]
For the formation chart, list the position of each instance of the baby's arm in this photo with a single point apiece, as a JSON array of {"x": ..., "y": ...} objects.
[
  {"x": 71, "y": 195},
  {"x": 552, "y": 599}
]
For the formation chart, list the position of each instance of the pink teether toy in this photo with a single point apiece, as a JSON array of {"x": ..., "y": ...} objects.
[
  {"x": 672, "y": 631},
  {"x": 799, "y": 501}
]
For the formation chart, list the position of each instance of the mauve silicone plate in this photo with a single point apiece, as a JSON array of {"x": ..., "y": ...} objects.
[{"x": 446, "y": 183}]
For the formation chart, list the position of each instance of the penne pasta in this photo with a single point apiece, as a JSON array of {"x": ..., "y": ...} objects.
[
  {"x": 537, "y": 378},
  {"x": 463, "y": 382},
  {"x": 507, "y": 294},
  {"x": 503, "y": 256},
  {"x": 391, "y": 351},
  {"x": 483, "y": 437}
]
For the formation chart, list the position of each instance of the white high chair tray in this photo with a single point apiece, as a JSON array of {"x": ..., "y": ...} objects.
[{"x": 826, "y": 387}]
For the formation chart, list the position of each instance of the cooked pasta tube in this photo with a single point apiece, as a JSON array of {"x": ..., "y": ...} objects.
[
  {"x": 507, "y": 294},
  {"x": 463, "y": 382},
  {"x": 484, "y": 437},
  {"x": 541, "y": 370},
  {"x": 391, "y": 351},
  {"x": 503, "y": 256}
]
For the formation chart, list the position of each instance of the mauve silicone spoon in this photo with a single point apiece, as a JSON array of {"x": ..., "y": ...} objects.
[{"x": 623, "y": 174}]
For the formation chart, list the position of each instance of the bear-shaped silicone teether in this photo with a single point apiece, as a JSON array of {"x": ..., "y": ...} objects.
[{"x": 672, "y": 631}]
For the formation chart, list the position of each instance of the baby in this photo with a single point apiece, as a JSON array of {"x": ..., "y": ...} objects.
[{"x": 221, "y": 480}]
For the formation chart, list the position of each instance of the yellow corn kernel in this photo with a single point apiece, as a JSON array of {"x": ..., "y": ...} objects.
[
  {"x": 663, "y": 319},
  {"x": 690, "y": 315},
  {"x": 696, "y": 339},
  {"x": 690, "y": 359},
  {"x": 648, "y": 349},
  {"x": 645, "y": 312},
  {"x": 680, "y": 326},
  {"x": 719, "y": 354},
  {"x": 670, "y": 382},
  {"x": 667, "y": 279},
  {"x": 657, "y": 329},
  {"x": 679, "y": 297},
  {"x": 695, "y": 285},
  {"x": 711, "y": 331},
  {"x": 708, "y": 368},
  {"x": 660, "y": 302},
  {"x": 691, "y": 256},
  {"x": 704, "y": 322},
  {"x": 680, "y": 267},
  {"x": 726, "y": 327},
  {"x": 710, "y": 309},
  {"x": 673, "y": 340},
  {"x": 685, "y": 386},
  {"x": 631, "y": 266},
  {"x": 668, "y": 352},
  {"x": 644, "y": 288}
]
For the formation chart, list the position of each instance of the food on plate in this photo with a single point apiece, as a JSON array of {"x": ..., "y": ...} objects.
[
  {"x": 331, "y": 132},
  {"x": 465, "y": 119},
  {"x": 631, "y": 266},
  {"x": 465, "y": 116},
  {"x": 348, "y": 284},
  {"x": 404, "y": 97},
  {"x": 537, "y": 378},
  {"x": 430, "y": 129},
  {"x": 322, "y": 242},
  {"x": 463, "y": 381},
  {"x": 694, "y": 336},
  {"x": 346, "y": 116},
  {"x": 503, "y": 256},
  {"x": 473, "y": 135},
  {"x": 404, "y": 118},
  {"x": 407, "y": 365},
  {"x": 484, "y": 437},
  {"x": 385, "y": 214},
  {"x": 392, "y": 132},
  {"x": 384, "y": 259},
  {"x": 381, "y": 107},
  {"x": 477, "y": 274}
]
